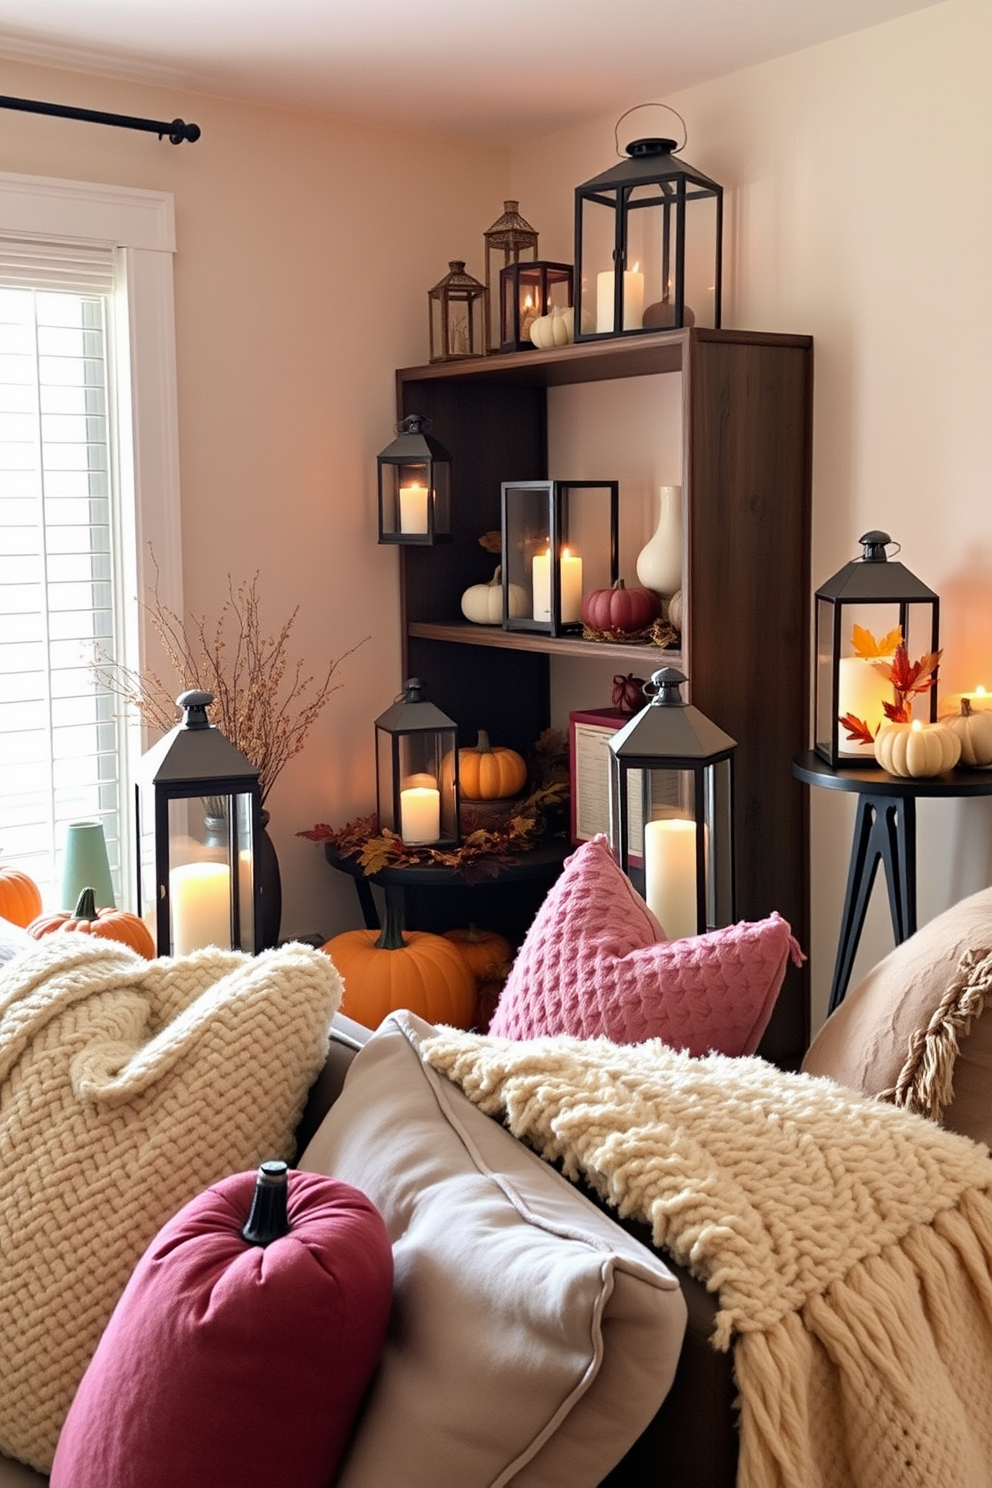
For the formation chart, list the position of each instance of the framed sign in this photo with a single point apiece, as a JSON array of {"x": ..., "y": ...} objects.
[{"x": 589, "y": 769}]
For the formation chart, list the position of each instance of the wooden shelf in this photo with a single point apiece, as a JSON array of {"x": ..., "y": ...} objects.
[{"x": 630, "y": 654}]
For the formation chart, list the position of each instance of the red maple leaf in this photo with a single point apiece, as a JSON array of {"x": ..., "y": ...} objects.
[{"x": 858, "y": 731}]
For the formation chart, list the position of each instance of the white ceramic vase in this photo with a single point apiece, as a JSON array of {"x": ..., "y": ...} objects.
[{"x": 659, "y": 563}]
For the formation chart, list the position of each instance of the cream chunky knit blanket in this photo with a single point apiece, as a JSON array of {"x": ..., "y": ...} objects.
[
  {"x": 126, "y": 1087},
  {"x": 849, "y": 1243}
]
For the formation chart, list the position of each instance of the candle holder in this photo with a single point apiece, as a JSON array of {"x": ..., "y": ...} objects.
[
  {"x": 672, "y": 809},
  {"x": 458, "y": 307},
  {"x": 199, "y": 815},
  {"x": 559, "y": 541},
  {"x": 416, "y": 770},
  {"x": 510, "y": 240},
  {"x": 414, "y": 483},
  {"x": 878, "y": 602},
  {"x": 526, "y": 292},
  {"x": 648, "y": 243}
]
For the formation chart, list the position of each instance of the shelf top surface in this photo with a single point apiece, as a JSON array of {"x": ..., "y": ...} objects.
[{"x": 871, "y": 780}]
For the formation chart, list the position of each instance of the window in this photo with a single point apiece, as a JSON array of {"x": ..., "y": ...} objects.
[{"x": 87, "y": 491}]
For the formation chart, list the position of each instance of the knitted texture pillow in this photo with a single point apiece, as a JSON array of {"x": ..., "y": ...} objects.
[
  {"x": 232, "y": 1364},
  {"x": 126, "y": 1087},
  {"x": 595, "y": 963}
]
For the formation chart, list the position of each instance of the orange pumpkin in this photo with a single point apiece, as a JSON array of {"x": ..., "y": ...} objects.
[
  {"x": 20, "y": 897},
  {"x": 387, "y": 970},
  {"x": 486, "y": 773},
  {"x": 108, "y": 924},
  {"x": 486, "y": 954}
]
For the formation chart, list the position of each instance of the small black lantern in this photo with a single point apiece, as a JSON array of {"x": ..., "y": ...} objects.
[
  {"x": 526, "y": 292},
  {"x": 510, "y": 240},
  {"x": 672, "y": 809},
  {"x": 648, "y": 244},
  {"x": 558, "y": 542},
  {"x": 414, "y": 486},
  {"x": 458, "y": 312},
  {"x": 199, "y": 815},
  {"x": 889, "y": 604},
  {"x": 416, "y": 770}
]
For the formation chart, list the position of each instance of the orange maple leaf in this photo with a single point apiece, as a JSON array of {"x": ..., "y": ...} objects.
[{"x": 866, "y": 646}]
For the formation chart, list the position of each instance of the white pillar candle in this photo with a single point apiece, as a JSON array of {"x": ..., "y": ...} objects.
[
  {"x": 861, "y": 690},
  {"x": 670, "y": 875},
  {"x": 420, "y": 815},
  {"x": 633, "y": 300},
  {"x": 200, "y": 895},
  {"x": 540, "y": 585},
  {"x": 413, "y": 508},
  {"x": 570, "y": 576}
]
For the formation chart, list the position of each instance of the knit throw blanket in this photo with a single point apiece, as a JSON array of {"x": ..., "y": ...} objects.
[
  {"x": 849, "y": 1243},
  {"x": 126, "y": 1087}
]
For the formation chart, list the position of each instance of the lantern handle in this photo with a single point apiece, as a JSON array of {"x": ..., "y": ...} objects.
[{"x": 633, "y": 109}]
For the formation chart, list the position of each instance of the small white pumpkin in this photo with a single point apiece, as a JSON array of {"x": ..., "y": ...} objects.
[
  {"x": 975, "y": 733},
  {"x": 554, "y": 329},
  {"x": 917, "y": 750},
  {"x": 675, "y": 610},
  {"x": 483, "y": 603}
]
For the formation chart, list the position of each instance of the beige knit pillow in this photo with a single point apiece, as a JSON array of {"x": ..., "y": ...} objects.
[{"x": 913, "y": 1030}]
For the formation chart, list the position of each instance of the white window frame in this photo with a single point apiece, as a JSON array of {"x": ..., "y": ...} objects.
[{"x": 141, "y": 227}]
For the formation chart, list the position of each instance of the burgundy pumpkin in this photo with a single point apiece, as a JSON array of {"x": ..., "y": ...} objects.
[{"x": 620, "y": 611}]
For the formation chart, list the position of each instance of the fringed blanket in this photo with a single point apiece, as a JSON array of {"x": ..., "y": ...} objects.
[
  {"x": 126, "y": 1087},
  {"x": 849, "y": 1243}
]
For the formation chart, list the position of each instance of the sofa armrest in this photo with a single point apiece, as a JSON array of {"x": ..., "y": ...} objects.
[{"x": 345, "y": 1038}]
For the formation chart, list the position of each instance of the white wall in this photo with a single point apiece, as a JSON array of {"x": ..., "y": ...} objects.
[{"x": 859, "y": 178}]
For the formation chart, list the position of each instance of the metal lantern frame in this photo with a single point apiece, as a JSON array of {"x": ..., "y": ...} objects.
[
  {"x": 458, "y": 307},
  {"x": 416, "y": 749},
  {"x": 414, "y": 486},
  {"x": 878, "y": 593},
  {"x": 510, "y": 240},
  {"x": 527, "y": 291},
  {"x": 195, "y": 763},
  {"x": 655, "y": 247},
  {"x": 671, "y": 763},
  {"x": 539, "y": 522}
]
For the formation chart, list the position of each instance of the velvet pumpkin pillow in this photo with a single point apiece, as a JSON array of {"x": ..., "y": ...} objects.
[{"x": 595, "y": 963}]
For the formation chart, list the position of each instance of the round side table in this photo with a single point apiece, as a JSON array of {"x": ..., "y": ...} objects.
[{"x": 884, "y": 832}]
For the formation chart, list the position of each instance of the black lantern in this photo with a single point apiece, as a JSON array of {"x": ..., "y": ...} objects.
[
  {"x": 672, "y": 809},
  {"x": 862, "y": 613},
  {"x": 199, "y": 815},
  {"x": 558, "y": 542},
  {"x": 648, "y": 236},
  {"x": 510, "y": 240},
  {"x": 414, "y": 486},
  {"x": 526, "y": 292},
  {"x": 458, "y": 315},
  {"x": 416, "y": 770}
]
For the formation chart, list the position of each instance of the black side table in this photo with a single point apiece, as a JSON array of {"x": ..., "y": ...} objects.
[{"x": 884, "y": 832}]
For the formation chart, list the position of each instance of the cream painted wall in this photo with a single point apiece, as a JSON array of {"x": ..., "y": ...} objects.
[
  {"x": 306, "y": 247},
  {"x": 859, "y": 178}
]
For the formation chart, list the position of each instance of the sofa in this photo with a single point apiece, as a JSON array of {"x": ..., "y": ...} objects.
[{"x": 654, "y": 1400}]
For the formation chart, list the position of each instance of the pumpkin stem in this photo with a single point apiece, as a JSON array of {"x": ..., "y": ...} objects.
[
  {"x": 483, "y": 745},
  {"x": 966, "y": 709},
  {"x": 619, "y": 584},
  {"x": 391, "y": 934},
  {"x": 86, "y": 905}
]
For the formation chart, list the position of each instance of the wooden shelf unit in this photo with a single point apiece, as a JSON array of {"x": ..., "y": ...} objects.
[{"x": 746, "y": 478}]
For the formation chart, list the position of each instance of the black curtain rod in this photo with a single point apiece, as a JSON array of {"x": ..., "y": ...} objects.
[{"x": 177, "y": 131}]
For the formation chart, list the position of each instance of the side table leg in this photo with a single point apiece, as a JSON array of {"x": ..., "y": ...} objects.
[
  {"x": 865, "y": 853},
  {"x": 899, "y": 857}
]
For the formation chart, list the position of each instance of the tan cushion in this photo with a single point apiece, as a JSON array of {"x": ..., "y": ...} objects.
[
  {"x": 915, "y": 1024},
  {"x": 531, "y": 1337}
]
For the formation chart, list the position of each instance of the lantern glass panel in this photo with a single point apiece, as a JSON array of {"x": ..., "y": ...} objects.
[
  {"x": 458, "y": 316},
  {"x": 559, "y": 541},
  {"x": 201, "y": 878},
  {"x": 416, "y": 776},
  {"x": 528, "y": 291},
  {"x": 415, "y": 500}
]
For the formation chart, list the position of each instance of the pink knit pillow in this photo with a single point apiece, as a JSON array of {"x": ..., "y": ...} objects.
[{"x": 595, "y": 963}]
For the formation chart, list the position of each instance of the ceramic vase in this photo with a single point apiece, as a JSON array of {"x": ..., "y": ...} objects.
[{"x": 659, "y": 563}]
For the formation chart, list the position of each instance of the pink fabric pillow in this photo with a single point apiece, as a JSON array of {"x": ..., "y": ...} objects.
[
  {"x": 236, "y": 1365},
  {"x": 595, "y": 963}
]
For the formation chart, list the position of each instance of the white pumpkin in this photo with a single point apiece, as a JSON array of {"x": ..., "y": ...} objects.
[
  {"x": 917, "y": 750},
  {"x": 483, "y": 603},
  {"x": 974, "y": 729},
  {"x": 554, "y": 329},
  {"x": 675, "y": 609}
]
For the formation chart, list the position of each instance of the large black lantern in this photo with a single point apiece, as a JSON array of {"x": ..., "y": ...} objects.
[
  {"x": 414, "y": 486},
  {"x": 648, "y": 245},
  {"x": 510, "y": 240},
  {"x": 672, "y": 810},
  {"x": 526, "y": 292},
  {"x": 416, "y": 770},
  {"x": 558, "y": 543},
  {"x": 199, "y": 815},
  {"x": 457, "y": 305},
  {"x": 862, "y": 613}
]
